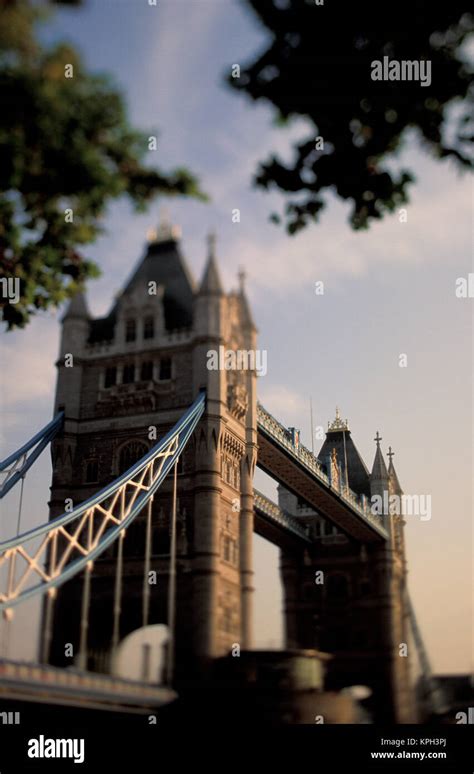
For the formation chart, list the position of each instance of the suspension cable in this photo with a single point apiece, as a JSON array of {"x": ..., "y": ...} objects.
[
  {"x": 48, "y": 625},
  {"x": 6, "y": 631},
  {"x": 86, "y": 596},
  {"x": 20, "y": 505},
  {"x": 172, "y": 585},
  {"x": 146, "y": 571},
  {"x": 118, "y": 595}
]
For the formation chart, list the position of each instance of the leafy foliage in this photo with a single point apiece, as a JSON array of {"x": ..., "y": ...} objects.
[
  {"x": 317, "y": 66},
  {"x": 65, "y": 144}
]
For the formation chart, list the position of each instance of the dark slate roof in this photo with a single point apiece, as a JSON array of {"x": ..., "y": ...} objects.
[
  {"x": 357, "y": 472},
  {"x": 164, "y": 264}
]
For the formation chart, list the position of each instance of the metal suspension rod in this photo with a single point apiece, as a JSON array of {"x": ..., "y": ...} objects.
[
  {"x": 50, "y": 599},
  {"x": 146, "y": 571},
  {"x": 48, "y": 625},
  {"x": 20, "y": 505},
  {"x": 118, "y": 595},
  {"x": 86, "y": 596},
  {"x": 104, "y": 513},
  {"x": 172, "y": 585},
  {"x": 6, "y": 631}
]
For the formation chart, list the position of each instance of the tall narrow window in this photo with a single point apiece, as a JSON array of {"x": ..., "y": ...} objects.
[
  {"x": 128, "y": 373},
  {"x": 130, "y": 454},
  {"x": 130, "y": 330},
  {"x": 110, "y": 376},
  {"x": 92, "y": 472},
  {"x": 146, "y": 371},
  {"x": 165, "y": 369},
  {"x": 337, "y": 588},
  {"x": 148, "y": 328}
]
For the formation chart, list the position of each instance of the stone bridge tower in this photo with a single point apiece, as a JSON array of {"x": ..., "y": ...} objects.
[
  {"x": 347, "y": 598},
  {"x": 132, "y": 375}
]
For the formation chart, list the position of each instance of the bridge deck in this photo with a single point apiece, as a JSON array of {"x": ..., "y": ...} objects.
[
  {"x": 52, "y": 685},
  {"x": 300, "y": 472}
]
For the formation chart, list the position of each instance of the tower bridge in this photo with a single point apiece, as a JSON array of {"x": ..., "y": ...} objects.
[{"x": 162, "y": 532}]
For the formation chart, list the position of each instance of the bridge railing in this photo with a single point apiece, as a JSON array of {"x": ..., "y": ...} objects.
[
  {"x": 21, "y": 677},
  {"x": 285, "y": 439},
  {"x": 275, "y": 514}
]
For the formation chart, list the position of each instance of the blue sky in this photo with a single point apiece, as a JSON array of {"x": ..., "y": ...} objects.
[{"x": 387, "y": 291}]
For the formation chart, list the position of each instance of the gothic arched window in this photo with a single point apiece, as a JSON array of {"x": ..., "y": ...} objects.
[
  {"x": 128, "y": 375},
  {"x": 165, "y": 369},
  {"x": 148, "y": 328},
  {"x": 146, "y": 371},
  {"x": 130, "y": 454},
  {"x": 130, "y": 330},
  {"x": 337, "y": 588},
  {"x": 110, "y": 376},
  {"x": 92, "y": 472}
]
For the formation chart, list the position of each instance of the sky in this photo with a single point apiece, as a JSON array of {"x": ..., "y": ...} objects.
[{"x": 387, "y": 292}]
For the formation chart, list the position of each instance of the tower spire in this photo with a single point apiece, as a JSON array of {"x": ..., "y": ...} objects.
[
  {"x": 247, "y": 318},
  {"x": 77, "y": 307},
  {"x": 392, "y": 473},
  {"x": 211, "y": 244},
  {"x": 211, "y": 283},
  {"x": 379, "y": 468}
]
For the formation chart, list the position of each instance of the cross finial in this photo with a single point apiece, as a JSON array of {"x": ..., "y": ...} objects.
[
  {"x": 211, "y": 243},
  {"x": 241, "y": 275},
  {"x": 390, "y": 453},
  {"x": 377, "y": 439}
]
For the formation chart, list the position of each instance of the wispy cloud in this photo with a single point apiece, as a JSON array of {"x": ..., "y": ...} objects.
[
  {"x": 29, "y": 375},
  {"x": 331, "y": 251}
]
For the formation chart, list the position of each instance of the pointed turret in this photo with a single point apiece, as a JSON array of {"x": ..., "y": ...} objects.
[
  {"x": 247, "y": 318},
  {"x": 77, "y": 308},
  {"x": 379, "y": 468},
  {"x": 75, "y": 325},
  {"x": 211, "y": 283},
  {"x": 379, "y": 481},
  {"x": 74, "y": 334},
  {"x": 392, "y": 474}
]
